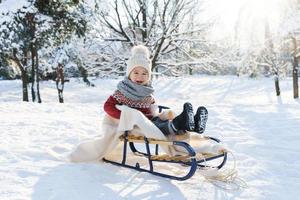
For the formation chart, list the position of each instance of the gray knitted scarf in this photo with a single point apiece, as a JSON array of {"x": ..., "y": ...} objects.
[{"x": 134, "y": 91}]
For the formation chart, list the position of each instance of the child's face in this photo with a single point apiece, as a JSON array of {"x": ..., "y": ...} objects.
[{"x": 139, "y": 75}]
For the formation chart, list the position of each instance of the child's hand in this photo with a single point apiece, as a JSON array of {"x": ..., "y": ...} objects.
[{"x": 167, "y": 115}]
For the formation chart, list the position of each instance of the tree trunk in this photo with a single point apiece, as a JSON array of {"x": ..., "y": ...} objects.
[
  {"x": 153, "y": 68},
  {"x": 24, "y": 86},
  {"x": 60, "y": 82},
  {"x": 190, "y": 70},
  {"x": 295, "y": 79},
  {"x": 34, "y": 59},
  {"x": 37, "y": 75},
  {"x": 33, "y": 72},
  {"x": 24, "y": 76},
  {"x": 277, "y": 88},
  {"x": 144, "y": 23},
  {"x": 84, "y": 75},
  {"x": 60, "y": 95},
  {"x": 295, "y": 69}
]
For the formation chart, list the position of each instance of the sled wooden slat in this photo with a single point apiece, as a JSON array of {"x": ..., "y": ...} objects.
[
  {"x": 140, "y": 139},
  {"x": 181, "y": 158},
  {"x": 165, "y": 157}
]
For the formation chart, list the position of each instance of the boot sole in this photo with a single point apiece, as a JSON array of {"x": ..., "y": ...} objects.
[{"x": 202, "y": 114}]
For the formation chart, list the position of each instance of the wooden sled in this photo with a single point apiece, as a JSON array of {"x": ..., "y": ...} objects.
[{"x": 191, "y": 160}]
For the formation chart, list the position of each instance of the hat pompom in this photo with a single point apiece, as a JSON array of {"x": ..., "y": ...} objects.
[{"x": 140, "y": 49}]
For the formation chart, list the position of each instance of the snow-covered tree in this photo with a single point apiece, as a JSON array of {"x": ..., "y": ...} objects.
[
  {"x": 5, "y": 71},
  {"x": 36, "y": 25},
  {"x": 291, "y": 35},
  {"x": 270, "y": 59},
  {"x": 295, "y": 63},
  {"x": 158, "y": 24}
]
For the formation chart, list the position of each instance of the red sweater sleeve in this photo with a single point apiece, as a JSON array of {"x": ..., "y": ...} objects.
[{"x": 110, "y": 108}]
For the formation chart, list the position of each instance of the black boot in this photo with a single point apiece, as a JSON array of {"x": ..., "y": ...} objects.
[
  {"x": 201, "y": 119},
  {"x": 185, "y": 121}
]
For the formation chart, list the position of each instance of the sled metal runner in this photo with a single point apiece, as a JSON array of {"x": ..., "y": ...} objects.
[{"x": 191, "y": 160}]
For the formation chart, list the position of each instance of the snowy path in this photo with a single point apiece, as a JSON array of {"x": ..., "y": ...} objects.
[{"x": 261, "y": 130}]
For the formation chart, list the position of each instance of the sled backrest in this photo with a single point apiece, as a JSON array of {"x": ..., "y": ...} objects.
[{"x": 160, "y": 108}]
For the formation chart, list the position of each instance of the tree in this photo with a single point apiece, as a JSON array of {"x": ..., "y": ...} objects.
[
  {"x": 154, "y": 23},
  {"x": 6, "y": 72},
  {"x": 295, "y": 62},
  {"x": 12, "y": 48},
  {"x": 290, "y": 32},
  {"x": 271, "y": 60},
  {"x": 60, "y": 82},
  {"x": 36, "y": 25}
]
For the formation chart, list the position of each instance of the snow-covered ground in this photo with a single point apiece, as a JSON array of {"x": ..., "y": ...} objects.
[{"x": 260, "y": 129}]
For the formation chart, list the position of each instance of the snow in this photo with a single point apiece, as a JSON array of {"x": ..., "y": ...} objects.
[
  {"x": 261, "y": 130},
  {"x": 13, "y": 5}
]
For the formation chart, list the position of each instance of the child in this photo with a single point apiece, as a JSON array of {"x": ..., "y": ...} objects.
[
  {"x": 135, "y": 91},
  {"x": 134, "y": 96}
]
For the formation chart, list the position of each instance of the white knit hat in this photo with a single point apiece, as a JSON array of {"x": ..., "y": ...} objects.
[{"x": 139, "y": 58}]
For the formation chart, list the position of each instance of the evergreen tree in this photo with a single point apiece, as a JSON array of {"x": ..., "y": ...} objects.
[{"x": 39, "y": 24}]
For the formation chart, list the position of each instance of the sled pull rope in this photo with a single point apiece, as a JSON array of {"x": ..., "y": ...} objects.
[{"x": 219, "y": 178}]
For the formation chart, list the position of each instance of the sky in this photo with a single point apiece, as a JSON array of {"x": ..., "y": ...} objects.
[{"x": 245, "y": 20}]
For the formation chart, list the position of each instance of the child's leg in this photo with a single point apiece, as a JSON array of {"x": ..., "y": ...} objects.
[
  {"x": 165, "y": 126},
  {"x": 178, "y": 125},
  {"x": 185, "y": 121}
]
